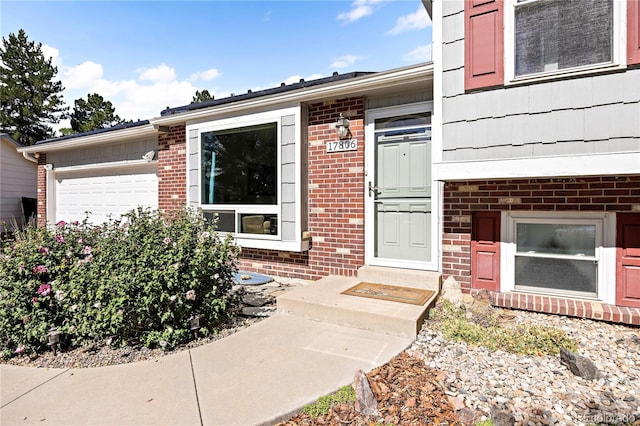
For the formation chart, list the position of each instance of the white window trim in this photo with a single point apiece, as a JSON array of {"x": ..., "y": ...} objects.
[
  {"x": 619, "y": 48},
  {"x": 605, "y": 250},
  {"x": 251, "y": 119}
]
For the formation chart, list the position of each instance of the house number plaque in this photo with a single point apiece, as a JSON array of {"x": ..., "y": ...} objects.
[{"x": 342, "y": 145}]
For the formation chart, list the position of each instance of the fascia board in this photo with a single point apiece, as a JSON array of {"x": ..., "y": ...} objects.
[
  {"x": 560, "y": 166},
  {"x": 383, "y": 80},
  {"x": 92, "y": 140}
]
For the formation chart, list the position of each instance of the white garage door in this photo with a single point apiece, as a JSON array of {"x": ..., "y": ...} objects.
[{"x": 102, "y": 193}]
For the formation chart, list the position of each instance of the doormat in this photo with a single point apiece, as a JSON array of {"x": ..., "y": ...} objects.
[{"x": 393, "y": 293}]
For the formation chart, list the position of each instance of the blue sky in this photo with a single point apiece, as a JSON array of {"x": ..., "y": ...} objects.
[{"x": 146, "y": 55}]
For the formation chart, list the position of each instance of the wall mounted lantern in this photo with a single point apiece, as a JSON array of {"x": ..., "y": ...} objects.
[{"x": 342, "y": 127}]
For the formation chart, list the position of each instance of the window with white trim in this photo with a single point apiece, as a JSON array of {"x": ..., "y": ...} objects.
[
  {"x": 559, "y": 36},
  {"x": 239, "y": 178},
  {"x": 554, "y": 255}
]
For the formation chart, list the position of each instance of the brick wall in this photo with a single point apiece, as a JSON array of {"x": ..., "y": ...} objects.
[
  {"x": 42, "y": 191},
  {"x": 569, "y": 307},
  {"x": 336, "y": 190},
  {"x": 336, "y": 202},
  {"x": 581, "y": 194},
  {"x": 172, "y": 168}
]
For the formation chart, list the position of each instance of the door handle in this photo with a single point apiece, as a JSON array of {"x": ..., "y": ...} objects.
[{"x": 373, "y": 190}]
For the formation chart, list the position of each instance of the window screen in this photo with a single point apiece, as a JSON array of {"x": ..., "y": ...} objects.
[
  {"x": 557, "y": 256},
  {"x": 553, "y": 35}
]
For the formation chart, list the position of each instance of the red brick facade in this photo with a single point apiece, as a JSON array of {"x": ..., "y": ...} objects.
[
  {"x": 336, "y": 202},
  {"x": 580, "y": 194},
  {"x": 42, "y": 191},
  {"x": 172, "y": 168},
  {"x": 568, "y": 307}
]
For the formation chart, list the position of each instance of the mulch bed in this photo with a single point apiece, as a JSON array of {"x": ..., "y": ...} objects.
[{"x": 408, "y": 393}]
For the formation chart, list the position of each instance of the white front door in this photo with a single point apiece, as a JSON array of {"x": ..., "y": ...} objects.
[{"x": 399, "y": 199}]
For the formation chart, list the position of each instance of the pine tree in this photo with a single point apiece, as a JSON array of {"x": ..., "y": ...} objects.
[
  {"x": 201, "y": 96},
  {"x": 30, "y": 97},
  {"x": 94, "y": 113}
]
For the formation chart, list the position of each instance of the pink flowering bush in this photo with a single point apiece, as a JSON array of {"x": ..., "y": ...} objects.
[
  {"x": 35, "y": 270},
  {"x": 137, "y": 280}
]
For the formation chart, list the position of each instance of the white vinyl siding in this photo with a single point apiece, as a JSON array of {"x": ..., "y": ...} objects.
[{"x": 18, "y": 178}]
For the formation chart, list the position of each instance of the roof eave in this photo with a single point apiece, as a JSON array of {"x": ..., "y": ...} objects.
[
  {"x": 385, "y": 79},
  {"x": 90, "y": 140}
]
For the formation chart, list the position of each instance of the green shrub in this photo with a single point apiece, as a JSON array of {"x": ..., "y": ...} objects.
[
  {"x": 134, "y": 280},
  {"x": 522, "y": 339}
]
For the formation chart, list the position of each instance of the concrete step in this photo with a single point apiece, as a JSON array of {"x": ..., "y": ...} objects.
[
  {"x": 323, "y": 301},
  {"x": 427, "y": 280}
]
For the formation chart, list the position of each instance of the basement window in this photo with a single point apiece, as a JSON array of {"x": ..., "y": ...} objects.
[{"x": 557, "y": 256}]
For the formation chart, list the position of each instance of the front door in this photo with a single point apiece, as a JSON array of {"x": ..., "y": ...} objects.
[{"x": 399, "y": 192}]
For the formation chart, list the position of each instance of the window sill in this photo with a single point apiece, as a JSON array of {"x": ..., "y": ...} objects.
[
  {"x": 564, "y": 74},
  {"x": 292, "y": 246}
]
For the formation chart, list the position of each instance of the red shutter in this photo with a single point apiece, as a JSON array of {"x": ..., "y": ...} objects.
[
  {"x": 628, "y": 260},
  {"x": 633, "y": 32},
  {"x": 485, "y": 251},
  {"x": 483, "y": 43}
]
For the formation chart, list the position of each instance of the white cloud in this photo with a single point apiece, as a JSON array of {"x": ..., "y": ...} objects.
[
  {"x": 359, "y": 9},
  {"x": 142, "y": 98},
  {"x": 161, "y": 73},
  {"x": 343, "y": 62},
  {"x": 53, "y": 53},
  {"x": 419, "y": 54},
  {"x": 417, "y": 20},
  {"x": 206, "y": 75},
  {"x": 83, "y": 76}
]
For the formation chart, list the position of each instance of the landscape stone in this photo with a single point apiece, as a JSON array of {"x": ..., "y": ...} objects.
[
  {"x": 255, "y": 300},
  {"x": 468, "y": 417},
  {"x": 502, "y": 417},
  {"x": 366, "y": 402},
  {"x": 451, "y": 291},
  {"x": 258, "y": 311},
  {"x": 579, "y": 365}
]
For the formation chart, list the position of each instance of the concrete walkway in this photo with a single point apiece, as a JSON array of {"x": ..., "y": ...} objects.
[{"x": 259, "y": 375}]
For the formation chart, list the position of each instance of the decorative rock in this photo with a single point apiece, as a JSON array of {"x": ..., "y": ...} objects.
[
  {"x": 468, "y": 417},
  {"x": 258, "y": 311},
  {"x": 366, "y": 402},
  {"x": 254, "y": 300},
  {"x": 456, "y": 402},
  {"x": 579, "y": 365},
  {"x": 451, "y": 291},
  {"x": 501, "y": 417}
]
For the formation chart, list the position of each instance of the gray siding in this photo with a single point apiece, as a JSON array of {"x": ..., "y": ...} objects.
[
  {"x": 583, "y": 115},
  {"x": 401, "y": 98},
  {"x": 288, "y": 181},
  {"x": 129, "y": 151},
  {"x": 304, "y": 169},
  {"x": 18, "y": 178},
  {"x": 193, "y": 168}
]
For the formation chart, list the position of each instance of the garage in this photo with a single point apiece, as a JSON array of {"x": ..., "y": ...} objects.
[{"x": 104, "y": 192}]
